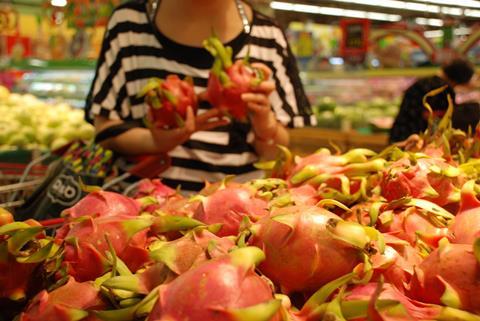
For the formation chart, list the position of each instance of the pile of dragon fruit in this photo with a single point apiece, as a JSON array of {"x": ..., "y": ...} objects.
[{"x": 331, "y": 236}]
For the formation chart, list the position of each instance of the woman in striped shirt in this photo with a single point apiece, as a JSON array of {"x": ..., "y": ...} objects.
[{"x": 145, "y": 40}]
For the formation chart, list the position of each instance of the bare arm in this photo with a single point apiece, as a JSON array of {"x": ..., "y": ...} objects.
[{"x": 138, "y": 141}]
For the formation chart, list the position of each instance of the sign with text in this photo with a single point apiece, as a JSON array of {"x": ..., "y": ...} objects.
[{"x": 355, "y": 35}]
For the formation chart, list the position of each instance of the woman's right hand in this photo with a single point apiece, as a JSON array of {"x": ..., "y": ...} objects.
[{"x": 168, "y": 139}]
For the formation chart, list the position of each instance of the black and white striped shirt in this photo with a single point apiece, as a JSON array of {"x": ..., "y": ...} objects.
[{"x": 134, "y": 50}]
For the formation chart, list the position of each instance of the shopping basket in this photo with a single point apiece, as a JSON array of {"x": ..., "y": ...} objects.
[
  {"x": 30, "y": 197},
  {"x": 18, "y": 180}
]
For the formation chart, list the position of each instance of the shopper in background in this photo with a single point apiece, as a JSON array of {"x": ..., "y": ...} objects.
[
  {"x": 412, "y": 117},
  {"x": 145, "y": 40}
]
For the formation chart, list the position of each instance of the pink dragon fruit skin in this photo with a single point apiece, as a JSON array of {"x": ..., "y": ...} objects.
[
  {"x": 403, "y": 179},
  {"x": 86, "y": 244},
  {"x": 228, "y": 80},
  {"x": 396, "y": 265},
  {"x": 64, "y": 303},
  {"x": 174, "y": 258},
  {"x": 217, "y": 290},
  {"x": 407, "y": 225},
  {"x": 228, "y": 206},
  {"x": 413, "y": 310},
  {"x": 230, "y": 98},
  {"x": 466, "y": 227},
  {"x": 300, "y": 254},
  {"x": 194, "y": 248},
  {"x": 173, "y": 97},
  {"x": 155, "y": 188},
  {"x": 103, "y": 203},
  {"x": 452, "y": 264},
  {"x": 14, "y": 277}
]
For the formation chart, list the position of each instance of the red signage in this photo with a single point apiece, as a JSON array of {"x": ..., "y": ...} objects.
[{"x": 355, "y": 37}]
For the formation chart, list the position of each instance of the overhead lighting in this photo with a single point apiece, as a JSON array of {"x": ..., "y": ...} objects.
[
  {"x": 462, "y": 31},
  {"x": 457, "y": 3},
  {"x": 287, "y": 6},
  {"x": 429, "y": 22},
  {"x": 430, "y": 6},
  {"x": 58, "y": 3},
  {"x": 452, "y": 11},
  {"x": 472, "y": 13},
  {"x": 433, "y": 33},
  {"x": 395, "y": 4}
]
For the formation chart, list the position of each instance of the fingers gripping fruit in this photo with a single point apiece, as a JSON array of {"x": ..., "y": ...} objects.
[{"x": 229, "y": 80}]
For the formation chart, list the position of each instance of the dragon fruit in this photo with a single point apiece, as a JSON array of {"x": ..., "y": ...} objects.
[
  {"x": 412, "y": 224},
  {"x": 222, "y": 289},
  {"x": 153, "y": 194},
  {"x": 154, "y": 188},
  {"x": 195, "y": 247},
  {"x": 103, "y": 203},
  {"x": 174, "y": 258},
  {"x": 306, "y": 247},
  {"x": 428, "y": 178},
  {"x": 383, "y": 302},
  {"x": 169, "y": 100},
  {"x": 87, "y": 240},
  {"x": 23, "y": 247},
  {"x": 449, "y": 276},
  {"x": 15, "y": 277},
  {"x": 228, "y": 80},
  {"x": 69, "y": 302},
  {"x": 228, "y": 205},
  {"x": 321, "y": 166},
  {"x": 466, "y": 227},
  {"x": 396, "y": 264}
]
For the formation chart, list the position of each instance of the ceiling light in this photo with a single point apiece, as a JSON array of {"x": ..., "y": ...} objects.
[
  {"x": 462, "y": 31},
  {"x": 457, "y": 3},
  {"x": 429, "y": 22},
  {"x": 433, "y": 33},
  {"x": 452, "y": 11},
  {"x": 287, "y": 6},
  {"x": 472, "y": 13},
  {"x": 395, "y": 4},
  {"x": 58, "y": 3}
]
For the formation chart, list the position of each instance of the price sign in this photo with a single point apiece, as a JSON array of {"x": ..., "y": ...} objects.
[{"x": 355, "y": 35}]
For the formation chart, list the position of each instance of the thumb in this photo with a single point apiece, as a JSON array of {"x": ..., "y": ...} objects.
[{"x": 190, "y": 121}]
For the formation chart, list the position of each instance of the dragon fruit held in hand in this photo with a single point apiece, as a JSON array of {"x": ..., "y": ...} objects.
[
  {"x": 169, "y": 99},
  {"x": 229, "y": 80},
  {"x": 223, "y": 289}
]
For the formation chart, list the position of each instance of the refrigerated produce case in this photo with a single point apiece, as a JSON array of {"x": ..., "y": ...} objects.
[{"x": 53, "y": 81}]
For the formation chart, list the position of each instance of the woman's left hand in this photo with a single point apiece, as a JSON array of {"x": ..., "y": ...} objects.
[{"x": 262, "y": 117}]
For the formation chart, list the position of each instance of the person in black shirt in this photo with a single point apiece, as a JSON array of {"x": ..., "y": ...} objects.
[{"x": 412, "y": 117}]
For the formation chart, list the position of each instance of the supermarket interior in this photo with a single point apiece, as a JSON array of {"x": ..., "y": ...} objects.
[{"x": 336, "y": 143}]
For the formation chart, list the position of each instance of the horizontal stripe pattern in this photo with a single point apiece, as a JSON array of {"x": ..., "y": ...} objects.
[{"x": 134, "y": 51}]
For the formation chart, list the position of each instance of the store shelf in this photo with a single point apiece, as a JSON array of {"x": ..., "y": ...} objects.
[
  {"x": 368, "y": 73},
  {"x": 37, "y": 64},
  {"x": 406, "y": 72}
]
